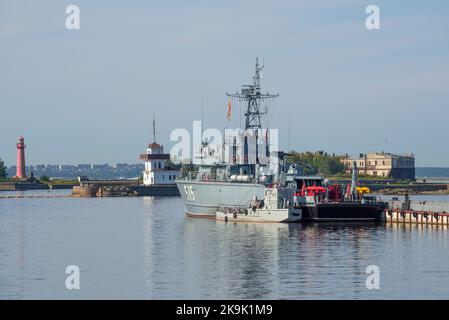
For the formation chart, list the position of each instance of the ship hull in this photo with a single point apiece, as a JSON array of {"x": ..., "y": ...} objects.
[
  {"x": 202, "y": 198},
  {"x": 343, "y": 212},
  {"x": 262, "y": 215}
]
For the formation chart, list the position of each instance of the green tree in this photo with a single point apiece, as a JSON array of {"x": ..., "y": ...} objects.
[
  {"x": 2, "y": 170},
  {"x": 44, "y": 178},
  {"x": 323, "y": 162}
]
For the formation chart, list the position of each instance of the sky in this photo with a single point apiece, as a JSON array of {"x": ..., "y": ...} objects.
[{"x": 89, "y": 95}]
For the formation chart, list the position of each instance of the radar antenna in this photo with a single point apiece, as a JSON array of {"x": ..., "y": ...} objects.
[{"x": 251, "y": 94}]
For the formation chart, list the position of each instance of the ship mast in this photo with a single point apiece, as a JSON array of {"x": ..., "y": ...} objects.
[{"x": 253, "y": 97}]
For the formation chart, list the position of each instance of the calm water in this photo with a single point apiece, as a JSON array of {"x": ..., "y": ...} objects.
[
  {"x": 432, "y": 172},
  {"x": 146, "y": 248}
]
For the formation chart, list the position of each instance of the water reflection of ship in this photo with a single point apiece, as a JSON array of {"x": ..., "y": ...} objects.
[
  {"x": 254, "y": 261},
  {"x": 205, "y": 259},
  {"x": 243, "y": 260}
]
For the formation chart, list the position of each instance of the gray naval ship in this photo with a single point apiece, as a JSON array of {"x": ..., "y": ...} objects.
[
  {"x": 235, "y": 182},
  {"x": 238, "y": 181}
]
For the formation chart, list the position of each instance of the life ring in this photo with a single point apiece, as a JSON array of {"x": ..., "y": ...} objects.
[
  {"x": 402, "y": 214},
  {"x": 415, "y": 215},
  {"x": 436, "y": 216},
  {"x": 426, "y": 215},
  {"x": 390, "y": 213}
]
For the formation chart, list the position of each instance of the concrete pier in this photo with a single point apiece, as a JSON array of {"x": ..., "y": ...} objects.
[
  {"x": 22, "y": 186},
  {"x": 418, "y": 212},
  {"x": 418, "y": 217}
]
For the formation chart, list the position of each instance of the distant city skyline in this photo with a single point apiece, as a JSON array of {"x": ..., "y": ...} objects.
[
  {"x": 89, "y": 95},
  {"x": 93, "y": 171}
]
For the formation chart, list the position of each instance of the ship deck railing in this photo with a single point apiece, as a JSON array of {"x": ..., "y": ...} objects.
[
  {"x": 356, "y": 201},
  {"x": 214, "y": 180}
]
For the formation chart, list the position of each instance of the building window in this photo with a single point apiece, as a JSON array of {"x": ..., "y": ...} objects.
[
  {"x": 159, "y": 164},
  {"x": 169, "y": 177}
]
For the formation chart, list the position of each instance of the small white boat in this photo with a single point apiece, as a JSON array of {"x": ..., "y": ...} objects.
[{"x": 276, "y": 207}]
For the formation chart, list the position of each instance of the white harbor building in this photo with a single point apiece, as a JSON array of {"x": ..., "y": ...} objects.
[{"x": 157, "y": 170}]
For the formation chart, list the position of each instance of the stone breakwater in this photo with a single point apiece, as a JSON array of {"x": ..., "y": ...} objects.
[
  {"x": 93, "y": 190},
  {"x": 415, "y": 188}
]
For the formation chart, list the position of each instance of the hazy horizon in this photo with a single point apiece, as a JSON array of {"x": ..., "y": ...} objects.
[{"x": 89, "y": 95}]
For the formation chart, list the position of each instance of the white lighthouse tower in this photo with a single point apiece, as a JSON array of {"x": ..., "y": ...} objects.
[{"x": 157, "y": 171}]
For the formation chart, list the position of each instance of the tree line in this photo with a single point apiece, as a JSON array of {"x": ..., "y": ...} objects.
[{"x": 325, "y": 163}]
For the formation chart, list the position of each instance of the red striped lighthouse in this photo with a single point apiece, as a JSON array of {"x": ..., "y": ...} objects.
[{"x": 21, "y": 170}]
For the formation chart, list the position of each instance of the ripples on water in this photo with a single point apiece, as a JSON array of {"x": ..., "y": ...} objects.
[{"x": 146, "y": 248}]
